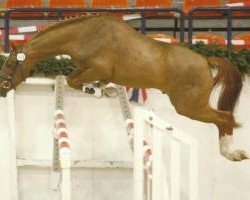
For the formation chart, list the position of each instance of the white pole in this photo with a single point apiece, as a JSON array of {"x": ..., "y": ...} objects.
[
  {"x": 193, "y": 171},
  {"x": 148, "y": 187},
  {"x": 66, "y": 185},
  {"x": 175, "y": 170},
  {"x": 59, "y": 94},
  {"x": 66, "y": 176},
  {"x": 138, "y": 172},
  {"x": 157, "y": 165},
  {"x": 64, "y": 154},
  {"x": 165, "y": 184},
  {"x": 12, "y": 142}
]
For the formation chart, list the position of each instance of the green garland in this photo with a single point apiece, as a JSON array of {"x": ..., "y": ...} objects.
[
  {"x": 240, "y": 58},
  {"x": 52, "y": 67},
  {"x": 49, "y": 67}
]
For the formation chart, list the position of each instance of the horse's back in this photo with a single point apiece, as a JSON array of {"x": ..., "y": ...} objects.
[{"x": 136, "y": 60}]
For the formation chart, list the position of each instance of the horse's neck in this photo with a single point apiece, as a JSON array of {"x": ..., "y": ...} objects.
[
  {"x": 45, "y": 45},
  {"x": 41, "y": 49}
]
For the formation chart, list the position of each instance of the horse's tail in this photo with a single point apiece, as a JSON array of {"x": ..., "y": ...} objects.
[{"x": 231, "y": 79}]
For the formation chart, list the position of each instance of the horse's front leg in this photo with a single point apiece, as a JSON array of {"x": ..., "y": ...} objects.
[
  {"x": 78, "y": 77},
  {"x": 71, "y": 79}
]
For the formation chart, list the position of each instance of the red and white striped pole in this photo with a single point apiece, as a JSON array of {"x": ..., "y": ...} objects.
[
  {"x": 61, "y": 132},
  {"x": 143, "y": 179}
]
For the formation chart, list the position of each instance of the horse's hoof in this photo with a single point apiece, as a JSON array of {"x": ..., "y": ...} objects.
[
  {"x": 237, "y": 155},
  {"x": 98, "y": 92}
]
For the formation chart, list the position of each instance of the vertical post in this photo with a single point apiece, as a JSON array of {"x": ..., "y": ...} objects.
[
  {"x": 6, "y": 29},
  {"x": 64, "y": 154},
  {"x": 190, "y": 26},
  {"x": 124, "y": 102},
  {"x": 182, "y": 27},
  {"x": 175, "y": 170},
  {"x": 5, "y": 154},
  {"x": 143, "y": 23},
  {"x": 193, "y": 171},
  {"x": 66, "y": 186},
  {"x": 12, "y": 143},
  {"x": 157, "y": 165},
  {"x": 175, "y": 26},
  {"x": 138, "y": 173},
  {"x": 165, "y": 185},
  {"x": 59, "y": 93},
  {"x": 148, "y": 186},
  {"x": 229, "y": 31},
  {"x": 127, "y": 115}
]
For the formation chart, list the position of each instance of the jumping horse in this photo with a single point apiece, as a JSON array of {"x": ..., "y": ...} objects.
[{"x": 107, "y": 49}]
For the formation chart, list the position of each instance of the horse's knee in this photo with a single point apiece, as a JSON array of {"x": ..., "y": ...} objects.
[{"x": 74, "y": 85}]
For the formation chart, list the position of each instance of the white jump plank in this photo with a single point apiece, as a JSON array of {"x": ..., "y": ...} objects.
[{"x": 175, "y": 170}]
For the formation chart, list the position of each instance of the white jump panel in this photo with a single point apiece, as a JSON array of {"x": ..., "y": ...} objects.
[
  {"x": 155, "y": 130},
  {"x": 98, "y": 135}
]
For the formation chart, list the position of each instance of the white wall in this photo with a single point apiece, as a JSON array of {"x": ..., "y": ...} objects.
[
  {"x": 5, "y": 161},
  {"x": 90, "y": 136},
  {"x": 97, "y": 134}
]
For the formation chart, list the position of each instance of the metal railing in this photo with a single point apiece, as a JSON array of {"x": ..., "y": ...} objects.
[
  {"x": 227, "y": 14},
  {"x": 60, "y": 11}
]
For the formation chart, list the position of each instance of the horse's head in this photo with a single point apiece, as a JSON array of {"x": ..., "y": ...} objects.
[{"x": 11, "y": 71}]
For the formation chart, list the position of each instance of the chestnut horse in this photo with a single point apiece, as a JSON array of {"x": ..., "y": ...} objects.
[{"x": 108, "y": 49}]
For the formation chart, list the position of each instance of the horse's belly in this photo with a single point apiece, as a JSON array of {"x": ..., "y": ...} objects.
[{"x": 139, "y": 79}]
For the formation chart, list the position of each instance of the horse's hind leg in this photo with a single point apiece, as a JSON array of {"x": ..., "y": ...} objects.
[
  {"x": 228, "y": 150},
  {"x": 226, "y": 123},
  {"x": 199, "y": 110}
]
